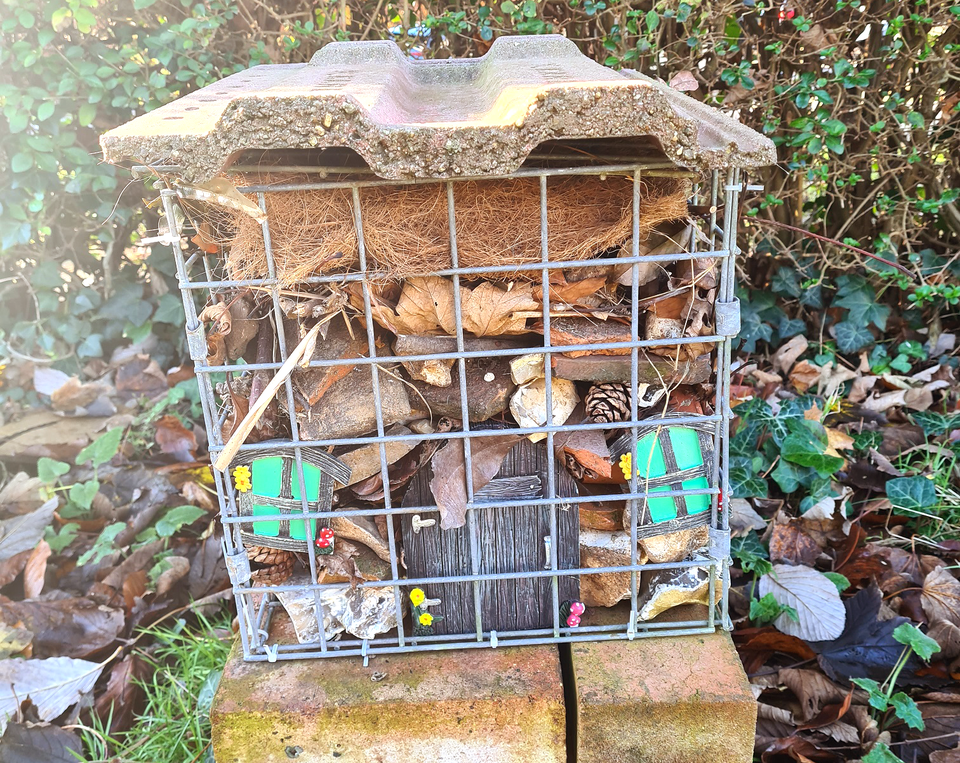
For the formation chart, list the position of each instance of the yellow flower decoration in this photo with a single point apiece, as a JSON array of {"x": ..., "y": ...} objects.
[
  {"x": 417, "y": 596},
  {"x": 426, "y": 619},
  {"x": 241, "y": 478},
  {"x": 625, "y": 463}
]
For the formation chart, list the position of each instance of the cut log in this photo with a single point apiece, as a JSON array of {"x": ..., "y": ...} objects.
[
  {"x": 348, "y": 407},
  {"x": 570, "y": 331},
  {"x": 489, "y": 387},
  {"x": 313, "y": 383},
  {"x": 650, "y": 370}
]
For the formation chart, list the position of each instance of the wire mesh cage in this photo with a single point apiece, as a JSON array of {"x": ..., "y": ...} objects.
[{"x": 464, "y": 412}]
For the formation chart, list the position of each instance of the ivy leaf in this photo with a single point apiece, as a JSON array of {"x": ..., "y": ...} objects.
[
  {"x": 804, "y": 447},
  {"x": 786, "y": 475},
  {"x": 861, "y": 301},
  {"x": 176, "y": 518},
  {"x": 744, "y": 483},
  {"x": 49, "y": 470},
  {"x": 812, "y": 296},
  {"x": 924, "y": 646},
  {"x": 766, "y": 609},
  {"x": 785, "y": 281},
  {"x": 102, "y": 449},
  {"x": 911, "y": 493},
  {"x": 880, "y": 754},
  {"x": 933, "y": 423},
  {"x": 751, "y": 554},
  {"x": 852, "y": 337}
]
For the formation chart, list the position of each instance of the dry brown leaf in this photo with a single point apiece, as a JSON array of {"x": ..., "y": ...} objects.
[
  {"x": 75, "y": 394},
  {"x": 123, "y": 694},
  {"x": 813, "y": 689},
  {"x": 219, "y": 316},
  {"x": 72, "y": 627},
  {"x": 134, "y": 586},
  {"x": 35, "y": 570},
  {"x": 684, "y": 81},
  {"x": 947, "y": 635},
  {"x": 449, "y": 485},
  {"x": 178, "y": 568},
  {"x": 174, "y": 438},
  {"x": 788, "y": 354},
  {"x": 426, "y": 306},
  {"x": 489, "y": 310},
  {"x": 789, "y": 543},
  {"x": 570, "y": 293},
  {"x": 804, "y": 375},
  {"x": 941, "y": 596}
]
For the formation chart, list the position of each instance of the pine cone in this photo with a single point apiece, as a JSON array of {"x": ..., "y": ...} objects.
[
  {"x": 269, "y": 557},
  {"x": 275, "y": 574},
  {"x": 608, "y": 402}
]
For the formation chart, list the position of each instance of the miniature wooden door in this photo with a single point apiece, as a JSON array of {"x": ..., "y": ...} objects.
[{"x": 509, "y": 540}]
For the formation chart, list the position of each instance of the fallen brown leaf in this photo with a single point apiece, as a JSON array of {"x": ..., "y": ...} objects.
[
  {"x": 35, "y": 570},
  {"x": 65, "y": 627},
  {"x": 449, "y": 486},
  {"x": 174, "y": 438},
  {"x": 121, "y": 699},
  {"x": 941, "y": 596},
  {"x": 789, "y": 543}
]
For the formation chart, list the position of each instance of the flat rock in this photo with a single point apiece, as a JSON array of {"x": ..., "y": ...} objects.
[
  {"x": 313, "y": 383},
  {"x": 347, "y": 409},
  {"x": 599, "y": 548},
  {"x": 364, "y": 461},
  {"x": 672, "y": 547},
  {"x": 485, "y": 398},
  {"x": 666, "y": 589},
  {"x": 650, "y": 369}
]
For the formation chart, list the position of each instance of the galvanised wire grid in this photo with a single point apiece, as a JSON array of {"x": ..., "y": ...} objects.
[{"x": 201, "y": 276}]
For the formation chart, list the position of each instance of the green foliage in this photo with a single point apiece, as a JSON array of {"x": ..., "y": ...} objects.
[
  {"x": 176, "y": 518},
  {"x": 185, "y": 669},
  {"x": 840, "y": 581},
  {"x": 880, "y": 753},
  {"x": 882, "y": 698},
  {"x": 101, "y": 450},
  {"x": 104, "y": 544},
  {"x": 750, "y": 552},
  {"x": 911, "y": 493},
  {"x": 766, "y": 609},
  {"x": 784, "y": 447}
]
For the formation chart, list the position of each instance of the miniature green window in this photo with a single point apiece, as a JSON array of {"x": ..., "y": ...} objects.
[
  {"x": 670, "y": 458},
  {"x": 268, "y": 485}
]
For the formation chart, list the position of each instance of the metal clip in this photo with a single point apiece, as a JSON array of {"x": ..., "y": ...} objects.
[
  {"x": 493, "y": 639},
  {"x": 419, "y": 524},
  {"x": 427, "y": 603},
  {"x": 719, "y": 544},
  {"x": 271, "y": 650},
  {"x": 728, "y": 317},
  {"x": 546, "y": 552},
  {"x": 197, "y": 343},
  {"x": 363, "y": 651},
  {"x": 238, "y": 565},
  {"x": 632, "y": 626}
]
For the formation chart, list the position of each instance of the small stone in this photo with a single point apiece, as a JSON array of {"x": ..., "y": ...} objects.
[
  {"x": 526, "y": 368},
  {"x": 600, "y": 548},
  {"x": 489, "y": 377},
  {"x": 672, "y": 547},
  {"x": 670, "y": 588},
  {"x": 529, "y": 404}
]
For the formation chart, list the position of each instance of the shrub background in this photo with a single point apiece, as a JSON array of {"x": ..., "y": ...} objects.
[{"x": 862, "y": 99}]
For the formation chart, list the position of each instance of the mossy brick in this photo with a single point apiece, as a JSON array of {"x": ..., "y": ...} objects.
[
  {"x": 680, "y": 699},
  {"x": 491, "y": 705}
]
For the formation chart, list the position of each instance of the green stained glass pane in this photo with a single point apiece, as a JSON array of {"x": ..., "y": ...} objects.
[
  {"x": 266, "y": 476},
  {"x": 271, "y": 529},
  {"x": 697, "y": 504},
  {"x": 311, "y": 481},
  {"x": 662, "y": 509},
  {"x": 650, "y": 463},
  {"x": 686, "y": 447}
]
